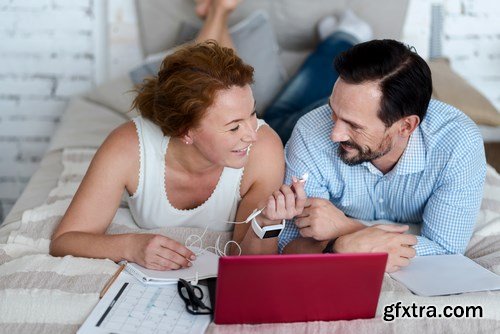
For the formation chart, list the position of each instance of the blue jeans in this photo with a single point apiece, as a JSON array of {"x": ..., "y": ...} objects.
[{"x": 309, "y": 88}]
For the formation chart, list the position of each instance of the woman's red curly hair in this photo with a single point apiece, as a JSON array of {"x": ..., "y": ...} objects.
[{"x": 177, "y": 98}]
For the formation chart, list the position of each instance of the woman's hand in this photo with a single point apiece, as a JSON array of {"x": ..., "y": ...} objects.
[
  {"x": 287, "y": 202},
  {"x": 154, "y": 251}
]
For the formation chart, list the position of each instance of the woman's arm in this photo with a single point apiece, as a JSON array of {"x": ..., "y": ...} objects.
[
  {"x": 262, "y": 186},
  {"x": 81, "y": 232}
]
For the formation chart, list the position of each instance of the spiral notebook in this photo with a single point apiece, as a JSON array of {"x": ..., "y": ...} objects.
[{"x": 206, "y": 265}]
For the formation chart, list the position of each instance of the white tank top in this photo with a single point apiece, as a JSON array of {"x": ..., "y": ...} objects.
[{"x": 149, "y": 204}]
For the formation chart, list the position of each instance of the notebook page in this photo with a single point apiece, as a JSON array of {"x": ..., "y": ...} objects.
[{"x": 206, "y": 265}]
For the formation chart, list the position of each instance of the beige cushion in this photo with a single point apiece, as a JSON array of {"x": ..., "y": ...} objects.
[
  {"x": 116, "y": 94},
  {"x": 294, "y": 21},
  {"x": 451, "y": 88}
]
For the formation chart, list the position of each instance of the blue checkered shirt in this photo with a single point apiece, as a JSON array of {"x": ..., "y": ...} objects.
[{"x": 437, "y": 182}]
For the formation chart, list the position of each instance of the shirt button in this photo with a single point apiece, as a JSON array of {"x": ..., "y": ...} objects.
[{"x": 381, "y": 200}]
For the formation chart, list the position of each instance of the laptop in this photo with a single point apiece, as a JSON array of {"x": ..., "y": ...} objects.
[{"x": 291, "y": 288}]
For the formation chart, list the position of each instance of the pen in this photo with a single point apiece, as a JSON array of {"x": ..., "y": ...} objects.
[
  {"x": 112, "y": 280},
  {"x": 113, "y": 302}
]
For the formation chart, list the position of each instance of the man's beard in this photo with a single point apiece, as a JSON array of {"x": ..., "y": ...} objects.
[{"x": 364, "y": 154}]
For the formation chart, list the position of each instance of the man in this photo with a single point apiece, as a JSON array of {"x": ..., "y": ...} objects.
[{"x": 382, "y": 150}]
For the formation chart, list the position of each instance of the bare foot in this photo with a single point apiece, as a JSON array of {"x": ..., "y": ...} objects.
[
  {"x": 202, "y": 7},
  {"x": 227, "y": 5}
]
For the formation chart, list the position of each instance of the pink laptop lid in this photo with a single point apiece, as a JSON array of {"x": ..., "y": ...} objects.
[{"x": 291, "y": 288}]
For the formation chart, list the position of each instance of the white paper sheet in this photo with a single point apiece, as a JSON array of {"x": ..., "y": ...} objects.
[{"x": 438, "y": 275}]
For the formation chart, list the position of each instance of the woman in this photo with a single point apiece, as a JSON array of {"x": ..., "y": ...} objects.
[{"x": 197, "y": 156}]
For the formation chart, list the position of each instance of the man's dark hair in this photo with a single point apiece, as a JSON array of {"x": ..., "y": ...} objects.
[{"x": 405, "y": 78}]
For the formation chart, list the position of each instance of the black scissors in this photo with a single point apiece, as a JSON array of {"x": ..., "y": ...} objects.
[{"x": 192, "y": 296}]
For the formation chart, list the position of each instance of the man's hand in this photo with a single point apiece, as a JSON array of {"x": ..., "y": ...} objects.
[
  {"x": 158, "y": 252},
  {"x": 321, "y": 220},
  {"x": 381, "y": 238}
]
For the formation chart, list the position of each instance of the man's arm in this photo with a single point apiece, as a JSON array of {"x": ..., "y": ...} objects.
[
  {"x": 378, "y": 238},
  {"x": 450, "y": 213}
]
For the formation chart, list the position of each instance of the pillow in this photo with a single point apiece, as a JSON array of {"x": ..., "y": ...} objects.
[
  {"x": 116, "y": 94},
  {"x": 449, "y": 87},
  {"x": 256, "y": 44},
  {"x": 149, "y": 69}
]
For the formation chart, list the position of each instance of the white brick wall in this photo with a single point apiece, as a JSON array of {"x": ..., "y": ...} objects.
[
  {"x": 51, "y": 50},
  {"x": 472, "y": 42},
  {"x": 47, "y": 54},
  {"x": 471, "y": 39}
]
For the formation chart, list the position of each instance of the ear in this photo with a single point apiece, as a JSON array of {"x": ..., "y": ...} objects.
[
  {"x": 187, "y": 138},
  {"x": 408, "y": 125}
]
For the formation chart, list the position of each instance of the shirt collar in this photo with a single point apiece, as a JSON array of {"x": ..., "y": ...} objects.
[{"x": 412, "y": 160}]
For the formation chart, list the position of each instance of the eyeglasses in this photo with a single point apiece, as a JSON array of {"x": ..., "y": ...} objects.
[{"x": 192, "y": 297}]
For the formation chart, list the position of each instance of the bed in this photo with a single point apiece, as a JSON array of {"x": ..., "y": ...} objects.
[{"x": 44, "y": 294}]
